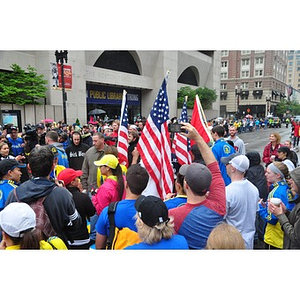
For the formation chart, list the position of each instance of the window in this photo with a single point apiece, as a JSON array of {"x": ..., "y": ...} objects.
[
  {"x": 223, "y": 86},
  {"x": 245, "y": 62},
  {"x": 224, "y": 64},
  {"x": 259, "y": 60},
  {"x": 258, "y": 73},
  {"x": 245, "y": 74},
  {"x": 258, "y": 84},
  {"x": 245, "y": 85},
  {"x": 244, "y": 52},
  {"x": 224, "y": 53},
  {"x": 223, "y": 75},
  {"x": 259, "y": 51},
  {"x": 257, "y": 97}
]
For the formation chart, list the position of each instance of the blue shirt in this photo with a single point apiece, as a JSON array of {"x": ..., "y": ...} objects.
[
  {"x": 176, "y": 242},
  {"x": 6, "y": 186},
  {"x": 124, "y": 217},
  {"x": 222, "y": 149},
  {"x": 176, "y": 201},
  {"x": 16, "y": 147}
]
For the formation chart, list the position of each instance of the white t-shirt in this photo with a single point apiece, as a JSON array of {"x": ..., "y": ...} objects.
[{"x": 241, "y": 206}]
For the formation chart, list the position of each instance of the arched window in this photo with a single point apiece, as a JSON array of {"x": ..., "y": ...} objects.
[
  {"x": 188, "y": 76},
  {"x": 118, "y": 61}
]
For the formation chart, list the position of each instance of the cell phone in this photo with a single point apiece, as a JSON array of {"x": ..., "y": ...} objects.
[{"x": 175, "y": 128}]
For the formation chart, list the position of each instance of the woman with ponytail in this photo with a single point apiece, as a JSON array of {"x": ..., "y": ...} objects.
[
  {"x": 277, "y": 175},
  {"x": 113, "y": 187}
]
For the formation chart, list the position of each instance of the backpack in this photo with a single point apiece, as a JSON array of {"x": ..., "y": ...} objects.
[
  {"x": 119, "y": 238},
  {"x": 42, "y": 219}
]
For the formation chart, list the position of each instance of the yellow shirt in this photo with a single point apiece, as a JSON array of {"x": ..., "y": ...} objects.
[{"x": 55, "y": 241}]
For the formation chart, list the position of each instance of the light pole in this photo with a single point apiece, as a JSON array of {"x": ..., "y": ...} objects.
[
  {"x": 60, "y": 57},
  {"x": 268, "y": 106},
  {"x": 238, "y": 92}
]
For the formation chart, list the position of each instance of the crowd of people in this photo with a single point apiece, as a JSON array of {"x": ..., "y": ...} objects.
[{"x": 69, "y": 177}]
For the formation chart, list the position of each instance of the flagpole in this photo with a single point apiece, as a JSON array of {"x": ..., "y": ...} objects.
[
  {"x": 167, "y": 76},
  {"x": 122, "y": 107},
  {"x": 203, "y": 114}
]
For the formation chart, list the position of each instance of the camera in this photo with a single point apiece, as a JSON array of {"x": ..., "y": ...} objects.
[{"x": 175, "y": 128}]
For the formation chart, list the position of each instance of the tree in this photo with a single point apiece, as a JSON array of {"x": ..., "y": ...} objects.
[
  {"x": 21, "y": 87},
  {"x": 206, "y": 96},
  {"x": 286, "y": 105}
]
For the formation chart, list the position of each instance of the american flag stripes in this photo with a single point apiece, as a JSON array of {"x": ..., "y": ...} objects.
[
  {"x": 122, "y": 144},
  {"x": 154, "y": 144},
  {"x": 181, "y": 144}
]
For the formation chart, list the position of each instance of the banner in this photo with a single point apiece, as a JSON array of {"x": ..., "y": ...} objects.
[{"x": 57, "y": 79}]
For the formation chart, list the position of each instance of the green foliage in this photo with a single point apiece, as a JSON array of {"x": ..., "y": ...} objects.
[
  {"x": 286, "y": 105},
  {"x": 21, "y": 87},
  {"x": 206, "y": 96}
]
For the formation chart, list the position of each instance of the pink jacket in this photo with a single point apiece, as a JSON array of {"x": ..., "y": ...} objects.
[{"x": 107, "y": 193}]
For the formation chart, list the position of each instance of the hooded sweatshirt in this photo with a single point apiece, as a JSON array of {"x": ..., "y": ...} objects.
[
  {"x": 58, "y": 204},
  {"x": 256, "y": 174},
  {"x": 76, "y": 154}
]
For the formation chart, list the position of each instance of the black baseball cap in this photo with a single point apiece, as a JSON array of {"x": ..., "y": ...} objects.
[
  {"x": 8, "y": 165},
  {"x": 152, "y": 210}
]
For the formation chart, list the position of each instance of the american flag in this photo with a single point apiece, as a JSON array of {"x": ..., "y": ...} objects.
[
  {"x": 154, "y": 144},
  {"x": 122, "y": 144},
  {"x": 181, "y": 144},
  {"x": 198, "y": 121}
]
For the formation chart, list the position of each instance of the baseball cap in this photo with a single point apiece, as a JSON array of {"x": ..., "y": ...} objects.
[
  {"x": 107, "y": 160},
  {"x": 40, "y": 125},
  {"x": 198, "y": 177},
  {"x": 240, "y": 162},
  {"x": 16, "y": 218},
  {"x": 68, "y": 174},
  {"x": 152, "y": 210},
  {"x": 182, "y": 170},
  {"x": 284, "y": 149},
  {"x": 226, "y": 159},
  {"x": 9, "y": 164}
]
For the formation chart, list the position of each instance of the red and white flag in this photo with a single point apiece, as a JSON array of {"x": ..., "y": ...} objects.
[
  {"x": 154, "y": 145},
  {"x": 122, "y": 144},
  {"x": 198, "y": 121}
]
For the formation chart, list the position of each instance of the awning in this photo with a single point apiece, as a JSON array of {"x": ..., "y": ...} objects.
[
  {"x": 245, "y": 93},
  {"x": 257, "y": 92}
]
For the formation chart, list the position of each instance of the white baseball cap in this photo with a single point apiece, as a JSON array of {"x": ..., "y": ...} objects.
[
  {"x": 240, "y": 162},
  {"x": 16, "y": 218}
]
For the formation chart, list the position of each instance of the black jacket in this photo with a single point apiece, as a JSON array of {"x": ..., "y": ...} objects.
[
  {"x": 256, "y": 174},
  {"x": 58, "y": 204},
  {"x": 86, "y": 209},
  {"x": 76, "y": 155}
]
